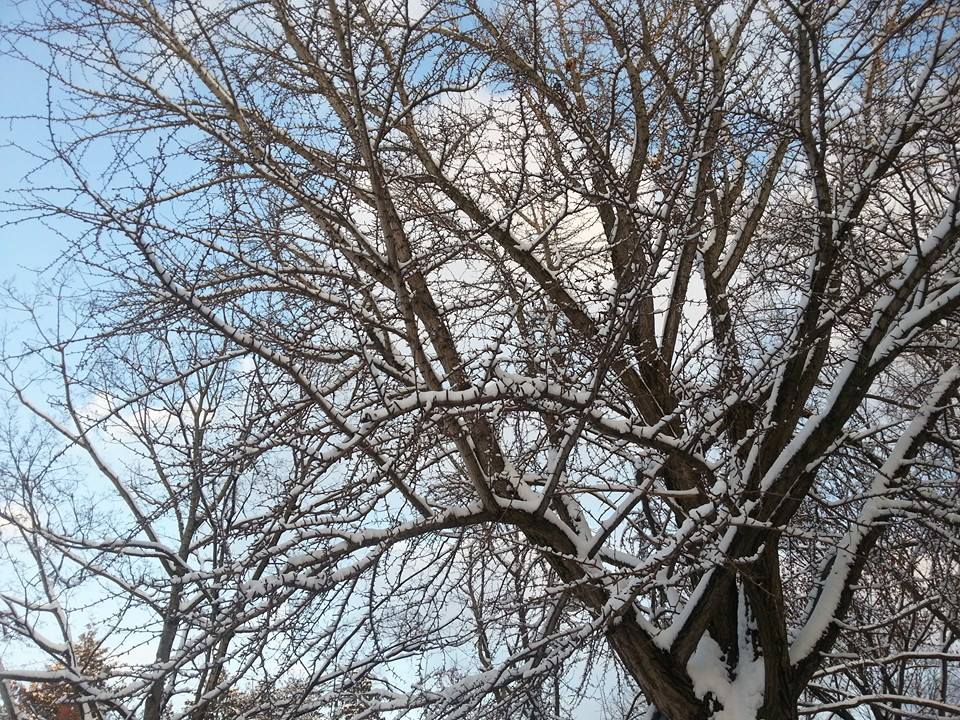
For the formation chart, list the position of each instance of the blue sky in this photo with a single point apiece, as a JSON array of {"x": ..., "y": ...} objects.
[{"x": 23, "y": 90}]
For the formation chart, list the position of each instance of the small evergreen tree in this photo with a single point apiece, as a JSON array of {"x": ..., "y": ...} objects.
[{"x": 64, "y": 700}]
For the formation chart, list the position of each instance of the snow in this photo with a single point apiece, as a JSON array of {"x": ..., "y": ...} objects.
[{"x": 742, "y": 696}]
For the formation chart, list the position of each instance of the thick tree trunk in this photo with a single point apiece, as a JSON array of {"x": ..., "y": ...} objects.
[
  {"x": 712, "y": 709},
  {"x": 742, "y": 672}
]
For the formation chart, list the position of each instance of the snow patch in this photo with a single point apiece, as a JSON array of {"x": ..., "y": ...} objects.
[{"x": 742, "y": 696}]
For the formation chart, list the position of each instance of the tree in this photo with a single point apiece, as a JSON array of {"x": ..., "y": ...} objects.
[
  {"x": 63, "y": 700},
  {"x": 506, "y": 357}
]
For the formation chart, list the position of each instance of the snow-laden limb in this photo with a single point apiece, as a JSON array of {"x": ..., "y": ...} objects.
[
  {"x": 872, "y": 350},
  {"x": 884, "y": 702},
  {"x": 843, "y": 568}
]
